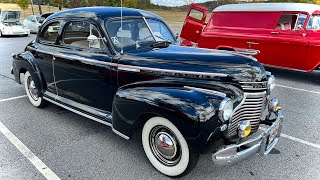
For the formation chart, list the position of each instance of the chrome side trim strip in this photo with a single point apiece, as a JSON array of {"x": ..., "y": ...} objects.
[
  {"x": 78, "y": 112},
  {"x": 107, "y": 116},
  {"x": 120, "y": 134},
  {"x": 89, "y": 109},
  {"x": 221, "y": 94},
  {"x": 134, "y": 68}
]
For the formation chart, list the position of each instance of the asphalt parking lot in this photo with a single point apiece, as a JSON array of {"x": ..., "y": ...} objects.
[{"x": 73, "y": 147}]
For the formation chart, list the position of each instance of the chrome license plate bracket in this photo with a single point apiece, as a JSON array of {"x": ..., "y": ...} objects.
[{"x": 273, "y": 134}]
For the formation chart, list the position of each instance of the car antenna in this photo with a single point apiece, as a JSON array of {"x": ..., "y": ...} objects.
[{"x": 121, "y": 29}]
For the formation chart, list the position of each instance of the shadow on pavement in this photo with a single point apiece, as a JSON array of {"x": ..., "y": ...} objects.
[{"x": 310, "y": 78}]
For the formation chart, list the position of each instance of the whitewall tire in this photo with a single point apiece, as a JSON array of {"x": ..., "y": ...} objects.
[
  {"x": 166, "y": 148},
  {"x": 32, "y": 91}
]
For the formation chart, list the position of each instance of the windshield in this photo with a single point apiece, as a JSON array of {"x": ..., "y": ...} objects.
[
  {"x": 136, "y": 33},
  {"x": 10, "y": 16},
  {"x": 40, "y": 19},
  {"x": 314, "y": 22}
]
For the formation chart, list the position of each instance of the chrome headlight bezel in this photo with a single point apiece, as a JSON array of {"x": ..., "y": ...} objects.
[
  {"x": 271, "y": 83},
  {"x": 225, "y": 109}
]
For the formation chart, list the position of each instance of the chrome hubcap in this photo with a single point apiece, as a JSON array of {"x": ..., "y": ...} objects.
[
  {"x": 33, "y": 91},
  {"x": 165, "y": 146}
]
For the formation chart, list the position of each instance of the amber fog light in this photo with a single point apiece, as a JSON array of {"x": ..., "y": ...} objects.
[
  {"x": 274, "y": 105},
  {"x": 244, "y": 128}
]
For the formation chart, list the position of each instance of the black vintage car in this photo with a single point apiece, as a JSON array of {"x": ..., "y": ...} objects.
[{"x": 128, "y": 73}]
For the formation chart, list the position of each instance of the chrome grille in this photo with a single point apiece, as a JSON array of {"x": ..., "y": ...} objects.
[{"x": 249, "y": 109}]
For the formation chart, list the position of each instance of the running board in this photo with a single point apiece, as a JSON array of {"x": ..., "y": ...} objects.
[{"x": 105, "y": 122}]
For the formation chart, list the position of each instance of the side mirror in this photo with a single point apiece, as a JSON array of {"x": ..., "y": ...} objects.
[
  {"x": 299, "y": 27},
  {"x": 32, "y": 20},
  {"x": 93, "y": 40},
  {"x": 176, "y": 35}
]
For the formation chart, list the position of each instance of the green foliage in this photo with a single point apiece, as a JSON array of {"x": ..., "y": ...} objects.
[{"x": 23, "y": 4}]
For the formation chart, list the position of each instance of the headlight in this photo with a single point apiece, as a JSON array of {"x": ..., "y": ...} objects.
[
  {"x": 274, "y": 105},
  {"x": 225, "y": 109},
  {"x": 271, "y": 83}
]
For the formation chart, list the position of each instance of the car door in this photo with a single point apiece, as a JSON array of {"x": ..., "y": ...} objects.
[
  {"x": 82, "y": 72},
  {"x": 44, "y": 50},
  {"x": 33, "y": 24},
  {"x": 27, "y": 21},
  {"x": 194, "y": 23},
  {"x": 288, "y": 42}
]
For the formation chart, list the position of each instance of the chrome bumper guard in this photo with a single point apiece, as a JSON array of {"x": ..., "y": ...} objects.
[{"x": 235, "y": 153}]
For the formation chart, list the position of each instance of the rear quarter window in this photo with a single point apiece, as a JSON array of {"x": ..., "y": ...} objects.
[{"x": 50, "y": 33}]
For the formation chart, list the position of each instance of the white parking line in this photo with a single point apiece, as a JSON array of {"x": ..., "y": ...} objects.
[
  {"x": 44, "y": 170},
  {"x": 301, "y": 141},
  {"x": 13, "y": 98},
  {"x": 296, "y": 139},
  {"x": 316, "y": 92}
]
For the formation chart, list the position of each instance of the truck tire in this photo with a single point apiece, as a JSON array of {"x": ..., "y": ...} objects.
[
  {"x": 166, "y": 148},
  {"x": 32, "y": 91}
]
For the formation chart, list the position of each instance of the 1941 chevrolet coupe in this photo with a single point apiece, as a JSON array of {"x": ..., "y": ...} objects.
[{"x": 126, "y": 72}]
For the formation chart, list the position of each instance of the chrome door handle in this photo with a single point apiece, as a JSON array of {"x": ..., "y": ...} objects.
[
  {"x": 251, "y": 43},
  {"x": 274, "y": 32}
]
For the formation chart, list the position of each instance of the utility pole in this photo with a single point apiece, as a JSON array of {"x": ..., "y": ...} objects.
[
  {"x": 39, "y": 4},
  {"x": 31, "y": 1}
]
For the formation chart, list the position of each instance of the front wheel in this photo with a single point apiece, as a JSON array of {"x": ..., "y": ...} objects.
[
  {"x": 32, "y": 91},
  {"x": 166, "y": 148}
]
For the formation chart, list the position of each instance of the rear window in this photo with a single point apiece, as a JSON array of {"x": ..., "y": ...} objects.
[{"x": 266, "y": 20}]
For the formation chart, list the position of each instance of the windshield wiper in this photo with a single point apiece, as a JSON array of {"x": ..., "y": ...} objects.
[{"x": 161, "y": 44}]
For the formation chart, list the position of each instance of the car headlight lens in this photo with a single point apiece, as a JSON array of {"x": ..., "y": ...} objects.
[
  {"x": 271, "y": 83},
  {"x": 274, "y": 105},
  {"x": 225, "y": 109}
]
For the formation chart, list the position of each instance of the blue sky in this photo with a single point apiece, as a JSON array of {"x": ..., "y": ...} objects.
[{"x": 176, "y": 2}]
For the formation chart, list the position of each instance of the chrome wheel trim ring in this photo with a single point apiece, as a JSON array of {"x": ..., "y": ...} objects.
[
  {"x": 165, "y": 146},
  {"x": 33, "y": 91}
]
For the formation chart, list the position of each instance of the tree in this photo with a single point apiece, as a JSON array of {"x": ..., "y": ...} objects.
[
  {"x": 130, "y": 3},
  {"x": 23, "y": 4},
  {"x": 59, "y": 3}
]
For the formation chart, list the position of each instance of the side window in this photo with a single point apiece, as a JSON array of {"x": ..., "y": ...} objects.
[
  {"x": 50, "y": 33},
  {"x": 291, "y": 22},
  {"x": 198, "y": 15},
  {"x": 77, "y": 33},
  {"x": 300, "y": 22},
  {"x": 314, "y": 22}
]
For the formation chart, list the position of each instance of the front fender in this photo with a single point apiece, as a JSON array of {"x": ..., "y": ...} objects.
[
  {"x": 186, "y": 108},
  {"x": 26, "y": 62}
]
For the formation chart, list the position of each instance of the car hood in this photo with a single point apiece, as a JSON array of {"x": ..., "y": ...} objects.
[{"x": 235, "y": 66}]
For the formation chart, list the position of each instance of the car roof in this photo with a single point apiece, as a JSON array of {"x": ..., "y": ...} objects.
[
  {"x": 304, "y": 7},
  {"x": 103, "y": 13}
]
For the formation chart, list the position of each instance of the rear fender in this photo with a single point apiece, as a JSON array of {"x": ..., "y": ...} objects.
[{"x": 26, "y": 62}]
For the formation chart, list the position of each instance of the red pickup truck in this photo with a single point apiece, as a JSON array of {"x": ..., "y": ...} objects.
[{"x": 286, "y": 35}]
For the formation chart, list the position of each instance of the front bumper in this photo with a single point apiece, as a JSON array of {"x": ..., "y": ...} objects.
[
  {"x": 16, "y": 32},
  {"x": 259, "y": 145}
]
